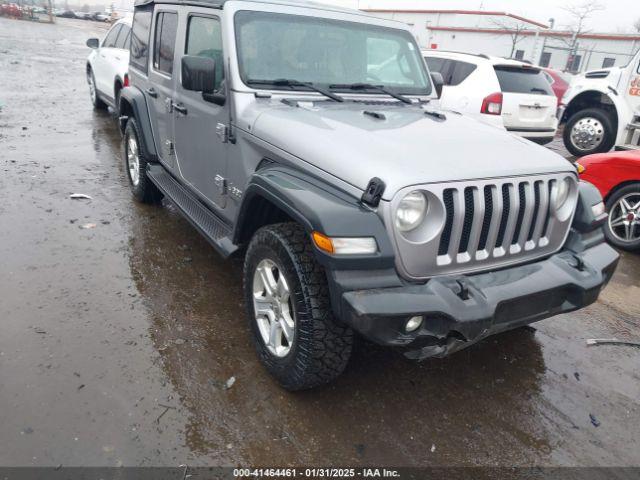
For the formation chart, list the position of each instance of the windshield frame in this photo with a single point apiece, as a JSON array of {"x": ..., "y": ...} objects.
[{"x": 243, "y": 77}]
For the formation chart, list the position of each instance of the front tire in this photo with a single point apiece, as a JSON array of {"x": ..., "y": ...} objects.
[
  {"x": 136, "y": 160},
  {"x": 97, "y": 103},
  {"x": 589, "y": 131},
  {"x": 295, "y": 334},
  {"x": 623, "y": 225}
]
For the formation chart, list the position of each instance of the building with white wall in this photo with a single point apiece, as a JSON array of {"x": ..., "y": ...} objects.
[{"x": 507, "y": 35}]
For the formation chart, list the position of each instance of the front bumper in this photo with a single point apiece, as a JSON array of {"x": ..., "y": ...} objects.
[{"x": 462, "y": 310}]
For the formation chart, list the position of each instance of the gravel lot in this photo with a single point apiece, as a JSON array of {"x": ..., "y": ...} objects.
[{"x": 116, "y": 341}]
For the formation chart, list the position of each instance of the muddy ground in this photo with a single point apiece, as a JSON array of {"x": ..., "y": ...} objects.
[{"x": 116, "y": 341}]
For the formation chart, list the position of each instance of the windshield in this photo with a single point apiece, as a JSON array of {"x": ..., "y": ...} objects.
[{"x": 328, "y": 53}]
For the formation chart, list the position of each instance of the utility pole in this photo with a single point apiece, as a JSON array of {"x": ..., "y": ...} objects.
[
  {"x": 50, "y": 11},
  {"x": 552, "y": 22}
]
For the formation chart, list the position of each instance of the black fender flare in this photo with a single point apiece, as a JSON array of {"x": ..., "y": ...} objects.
[
  {"x": 134, "y": 104},
  {"x": 319, "y": 206}
]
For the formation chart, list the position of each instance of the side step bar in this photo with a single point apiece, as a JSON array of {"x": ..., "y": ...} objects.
[{"x": 217, "y": 232}]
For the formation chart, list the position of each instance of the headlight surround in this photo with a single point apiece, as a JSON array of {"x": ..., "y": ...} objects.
[
  {"x": 564, "y": 189},
  {"x": 411, "y": 211}
]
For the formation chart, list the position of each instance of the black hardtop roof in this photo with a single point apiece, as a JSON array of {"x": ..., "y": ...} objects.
[{"x": 219, "y": 4}]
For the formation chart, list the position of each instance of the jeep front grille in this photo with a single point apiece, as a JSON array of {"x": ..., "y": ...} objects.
[{"x": 485, "y": 224}]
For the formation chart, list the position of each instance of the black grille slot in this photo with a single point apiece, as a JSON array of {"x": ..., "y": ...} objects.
[
  {"x": 486, "y": 222},
  {"x": 447, "y": 198},
  {"x": 468, "y": 219},
  {"x": 506, "y": 208},
  {"x": 536, "y": 206},
  {"x": 523, "y": 207},
  {"x": 548, "y": 212}
]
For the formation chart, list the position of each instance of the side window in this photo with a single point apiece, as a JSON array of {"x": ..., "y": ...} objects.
[
  {"x": 204, "y": 39},
  {"x": 123, "y": 38},
  {"x": 444, "y": 66},
  {"x": 140, "y": 37},
  {"x": 112, "y": 36},
  {"x": 459, "y": 72},
  {"x": 164, "y": 43},
  {"x": 435, "y": 64}
]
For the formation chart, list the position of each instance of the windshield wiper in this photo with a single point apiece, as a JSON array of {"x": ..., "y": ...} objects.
[
  {"x": 368, "y": 86},
  {"x": 285, "y": 82},
  {"x": 538, "y": 89}
]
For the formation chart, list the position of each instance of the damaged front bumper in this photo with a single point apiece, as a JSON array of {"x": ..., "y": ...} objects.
[{"x": 461, "y": 310}]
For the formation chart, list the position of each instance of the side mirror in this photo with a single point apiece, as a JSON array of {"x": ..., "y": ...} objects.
[
  {"x": 93, "y": 43},
  {"x": 438, "y": 82},
  {"x": 199, "y": 75}
]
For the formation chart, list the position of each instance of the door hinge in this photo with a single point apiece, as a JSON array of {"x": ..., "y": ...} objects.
[
  {"x": 221, "y": 183},
  {"x": 223, "y": 132}
]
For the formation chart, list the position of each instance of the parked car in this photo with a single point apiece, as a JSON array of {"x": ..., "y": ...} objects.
[
  {"x": 11, "y": 10},
  {"x": 108, "y": 64},
  {"x": 83, "y": 15},
  {"x": 617, "y": 177},
  {"x": 68, "y": 14},
  {"x": 101, "y": 17},
  {"x": 558, "y": 80},
  {"x": 602, "y": 110},
  {"x": 358, "y": 206},
  {"x": 502, "y": 92}
]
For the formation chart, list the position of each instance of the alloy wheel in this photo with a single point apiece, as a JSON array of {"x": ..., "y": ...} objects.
[
  {"x": 273, "y": 308},
  {"x": 133, "y": 160},
  {"x": 624, "y": 218}
]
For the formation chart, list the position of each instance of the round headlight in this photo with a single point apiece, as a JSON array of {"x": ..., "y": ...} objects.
[
  {"x": 564, "y": 187},
  {"x": 411, "y": 211}
]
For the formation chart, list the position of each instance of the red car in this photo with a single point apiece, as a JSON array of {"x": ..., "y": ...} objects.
[
  {"x": 559, "y": 82},
  {"x": 617, "y": 176}
]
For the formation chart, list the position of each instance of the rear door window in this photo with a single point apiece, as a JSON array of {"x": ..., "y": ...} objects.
[
  {"x": 459, "y": 72},
  {"x": 437, "y": 64},
  {"x": 123, "y": 38},
  {"x": 165, "y": 42},
  {"x": 522, "y": 80},
  {"x": 112, "y": 36},
  {"x": 139, "y": 43}
]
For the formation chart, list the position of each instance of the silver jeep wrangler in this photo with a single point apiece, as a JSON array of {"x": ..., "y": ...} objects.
[{"x": 310, "y": 139}]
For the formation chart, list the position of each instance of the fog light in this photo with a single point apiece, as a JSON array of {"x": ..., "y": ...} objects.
[{"x": 413, "y": 323}]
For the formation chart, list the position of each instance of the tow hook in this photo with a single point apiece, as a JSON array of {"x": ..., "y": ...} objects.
[
  {"x": 463, "y": 293},
  {"x": 579, "y": 265}
]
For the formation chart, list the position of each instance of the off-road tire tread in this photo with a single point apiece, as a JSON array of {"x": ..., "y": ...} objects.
[
  {"x": 323, "y": 345},
  {"x": 145, "y": 191}
]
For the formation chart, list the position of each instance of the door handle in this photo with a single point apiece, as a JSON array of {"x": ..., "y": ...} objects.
[
  {"x": 178, "y": 107},
  {"x": 152, "y": 92}
]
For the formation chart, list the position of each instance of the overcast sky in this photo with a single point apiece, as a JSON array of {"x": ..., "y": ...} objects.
[{"x": 618, "y": 15}]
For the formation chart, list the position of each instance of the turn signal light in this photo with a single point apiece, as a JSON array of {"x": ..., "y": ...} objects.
[
  {"x": 492, "y": 104},
  {"x": 345, "y": 245}
]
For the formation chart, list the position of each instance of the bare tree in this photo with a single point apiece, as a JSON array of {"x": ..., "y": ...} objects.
[
  {"x": 514, "y": 30},
  {"x": 580, "y": 14},
  {"x": 636, "y": 25}
]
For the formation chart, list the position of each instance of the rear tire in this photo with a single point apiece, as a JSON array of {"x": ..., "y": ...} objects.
[
  {"x": 625, "y": 236},
  {"x": 310, "y": 347},
  {"x": 97, "y": 103},
  {"x": 136, "y": 160},
  {"x": 589, "y": 131}
]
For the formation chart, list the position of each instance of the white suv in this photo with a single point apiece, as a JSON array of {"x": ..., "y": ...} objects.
[
  {"x": 108, "y": 64},
  {"x": 501, "y": 92}
]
